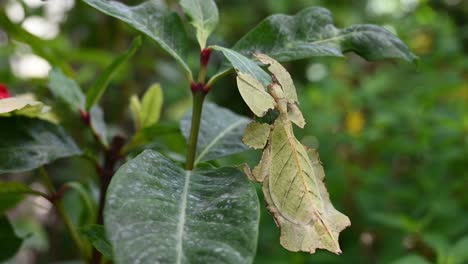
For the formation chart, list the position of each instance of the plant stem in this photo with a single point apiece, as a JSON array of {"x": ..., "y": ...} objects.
[
  {"x": 61, "y": 212},
  {"x": 198, "y": 98}
]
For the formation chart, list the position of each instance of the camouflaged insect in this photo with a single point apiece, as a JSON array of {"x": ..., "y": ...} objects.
[{"x": 292, "y": 175}]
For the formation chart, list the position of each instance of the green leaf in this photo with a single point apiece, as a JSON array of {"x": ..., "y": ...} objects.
[
  {"x": 156, "y": 212},
  {"x": 220, "y": 132},
  {"x": 458, "y": 253},
  {"x": 135, "y": 108},
  {"x": 154, "y": 19},
  {"x": 311, "y": 32},
  {"x": 204, "y": 16},
  {"x": 30, "y": 143},
  {"x": 97, "y": 236},
  {"x": 151, "y": 106},
  {"x": 243, "y": 64},
  {"x": 11, "y": 243},
  {"x": 11, "y": 193},
  {"x": 67, "y": 90},
  {"x": 98, "y": 124},
  {"x": 411, "y": 259},
  {"x": 94, "y": 94}
]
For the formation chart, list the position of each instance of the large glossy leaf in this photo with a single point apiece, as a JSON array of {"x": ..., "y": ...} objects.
[
  {"x": 29, "y": 143},
  {"x": 154, "y": 19},
  {"x": 312, "y": 32},
  {"x": 10, "y": 241},
  {"x": 156, "y": 212},
  {"x": 204, "y": 16},
  {"x": 220, "y": 132},
  {"x": 94, "y": 94}
]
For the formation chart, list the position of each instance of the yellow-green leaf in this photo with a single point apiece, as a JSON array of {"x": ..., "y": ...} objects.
[
  {"x": 254, "y": 94},
  {"x": 256, "y": 135},
  {"x": 135, "y": 108},
  {"x": 151, "y": 106}
]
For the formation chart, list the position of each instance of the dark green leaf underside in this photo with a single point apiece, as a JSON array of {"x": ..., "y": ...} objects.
[{"x": 29, "y": 143}]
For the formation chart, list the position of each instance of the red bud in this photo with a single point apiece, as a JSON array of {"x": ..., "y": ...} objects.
[{"x": 4, "y": 93}]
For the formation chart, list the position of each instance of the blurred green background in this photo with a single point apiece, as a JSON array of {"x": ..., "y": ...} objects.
[{"x": 393, "y": 136}]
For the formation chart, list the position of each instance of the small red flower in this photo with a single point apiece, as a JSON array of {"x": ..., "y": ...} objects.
[{"x": 4, "y": 93}]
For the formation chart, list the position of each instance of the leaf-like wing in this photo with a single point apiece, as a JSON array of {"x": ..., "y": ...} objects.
[
  {"x": 154, "y": 19},
  {"x": 29, "y": 143},
  {"x": 254, "y": 94},
  {"x": 220, "y": 133},
  {"x": 256, "y": 135},
  {"x": 156, "y": 212},
  {"x": 311, "y": 32},
  {"x": 282, "y": 76},
  {"x": 204, "y": 15},
  {"x": 297, "y": 197}
]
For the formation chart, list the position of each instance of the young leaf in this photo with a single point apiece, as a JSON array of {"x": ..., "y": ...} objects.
[
  {"x": 151, "y": 106},
  {"x": 154, "y": 19},
  {"x": 11, "y": 193},
  {"x": 220, "y": 132},
  {"x": 30, "y": 143},
  {"x": 254, "y": 94},
  {"x": 293, "y": 177},
  {"x": 243, "y": 64},
  {"x": 97, "y": 236},
  {"x": 94, "y": 94},
  {"x": 156, "y": 212},
  {"x": 135, "y": 108},
  {"x": 66, "y": 90},
  {"x": 11, "y": 243},
  {"x": 311, "y": 32},
  {"x": 204, "y": 16}
]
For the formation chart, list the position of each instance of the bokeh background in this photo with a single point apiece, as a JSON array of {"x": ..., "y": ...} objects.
[{"x": 393, "y": 136}]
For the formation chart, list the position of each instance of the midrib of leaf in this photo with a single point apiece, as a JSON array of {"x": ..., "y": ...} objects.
[
  {"x": 291, "y": 139},
  {"x": 181, "y": 222},
  {"x": 216, "y": 139}
]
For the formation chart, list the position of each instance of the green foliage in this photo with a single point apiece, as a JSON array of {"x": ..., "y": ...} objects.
[
  {"x": 11, "y": 242},
  {"x": 30, "y": 143},
  {"x": 311, "y": 33},
  {"x": 94, "y": 94},
  {"x": 96, "y": 235},
  {"x": 388, "y": 133},
  {"x": 67, "y": 90},
  {"x": 204, "y": 15},
  {"x": 155, "y": 20},
  {"x": 221, "y": 131},
  {"x": 11, "y": 193},
  {"x": 157, "y": 212}
]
